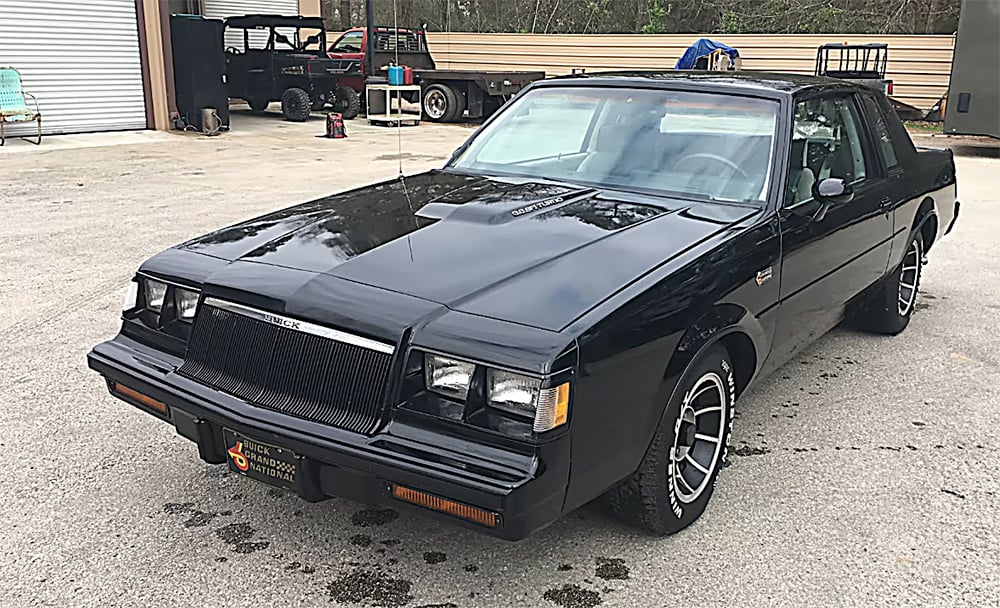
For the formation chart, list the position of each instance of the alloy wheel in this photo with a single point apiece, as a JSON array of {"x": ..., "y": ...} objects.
[
  {"x": 698, "y": 437},
  {"x": 908, "y": 277}
]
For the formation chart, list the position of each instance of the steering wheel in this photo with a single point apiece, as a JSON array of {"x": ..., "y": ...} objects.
[
  {"x": 722, "y": 160},
  {"x": 232, "y": 50}
]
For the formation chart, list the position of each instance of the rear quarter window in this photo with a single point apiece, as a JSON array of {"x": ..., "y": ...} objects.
[{"x": 880, "y": 129}]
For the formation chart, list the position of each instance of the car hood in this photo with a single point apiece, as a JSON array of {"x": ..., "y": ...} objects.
[{"x": 533, "y": 253}]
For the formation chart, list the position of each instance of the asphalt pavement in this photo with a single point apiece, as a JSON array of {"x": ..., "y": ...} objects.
[{"x": 863, "y": 473}]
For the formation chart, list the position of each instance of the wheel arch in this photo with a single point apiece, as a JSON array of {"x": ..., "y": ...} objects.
[
  {"x": 926, "y": 222},
  {"x": 729, "y": 325}
]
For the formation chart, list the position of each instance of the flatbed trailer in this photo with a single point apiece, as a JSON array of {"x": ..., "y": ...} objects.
[{"x": 446, "y": 94}]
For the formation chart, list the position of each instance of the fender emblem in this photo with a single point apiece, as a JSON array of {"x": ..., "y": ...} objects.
[{"x": 764, "y": 276}]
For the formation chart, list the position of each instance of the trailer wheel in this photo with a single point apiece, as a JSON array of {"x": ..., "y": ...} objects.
[
  {"x": 347, "y": 102},
  {"x": 295, "y": 104},
  {"x": 442, "y": 104}
]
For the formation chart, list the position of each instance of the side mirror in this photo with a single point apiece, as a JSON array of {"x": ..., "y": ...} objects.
[{"x": 831, "y": 192}]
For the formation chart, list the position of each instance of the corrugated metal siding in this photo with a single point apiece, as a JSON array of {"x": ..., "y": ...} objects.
[
  {"x": 918, "y": 65},
  {"x": 80, "y": 59},
  {"x": 220, "y": 9}
]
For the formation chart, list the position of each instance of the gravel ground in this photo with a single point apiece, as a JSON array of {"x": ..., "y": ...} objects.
[{"x": 864, "y": 472}]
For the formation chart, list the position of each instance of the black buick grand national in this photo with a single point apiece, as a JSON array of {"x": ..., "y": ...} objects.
[{"x": 570, "y": 307}]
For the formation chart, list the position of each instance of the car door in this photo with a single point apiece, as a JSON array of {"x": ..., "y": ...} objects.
[
  {"x": 829, "y": 253},
  {"x": 349, "y": 49}
]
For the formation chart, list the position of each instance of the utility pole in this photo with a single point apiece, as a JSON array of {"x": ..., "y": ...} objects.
[{"x": 370, "y": 36}]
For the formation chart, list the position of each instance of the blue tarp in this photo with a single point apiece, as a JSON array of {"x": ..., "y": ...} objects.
[{"x": 702, "y": 47}]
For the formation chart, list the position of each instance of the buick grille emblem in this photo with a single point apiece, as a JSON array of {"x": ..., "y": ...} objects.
[{"x": 290, "y": 324}]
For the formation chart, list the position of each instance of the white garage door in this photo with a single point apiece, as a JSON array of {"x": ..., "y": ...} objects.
[
  {"x": 80, "y": 59},
  {"x": 220, "y": 9}
]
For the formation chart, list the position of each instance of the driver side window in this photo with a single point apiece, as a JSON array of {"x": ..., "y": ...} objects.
[
  {"x": 348, "y": 43},
  {"x": 826, "y": 142}
]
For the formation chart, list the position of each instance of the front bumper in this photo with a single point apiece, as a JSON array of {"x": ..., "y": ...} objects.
[{"x": 525, "y": 486}]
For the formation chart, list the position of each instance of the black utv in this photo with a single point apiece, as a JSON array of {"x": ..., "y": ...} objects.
[{"x": 283, "y": 58}]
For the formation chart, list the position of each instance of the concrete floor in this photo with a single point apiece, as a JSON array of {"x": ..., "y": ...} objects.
[{"x": 864, "y": 474}]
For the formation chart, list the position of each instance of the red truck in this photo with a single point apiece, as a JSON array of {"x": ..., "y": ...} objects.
[{"x": 446, "y": 94}]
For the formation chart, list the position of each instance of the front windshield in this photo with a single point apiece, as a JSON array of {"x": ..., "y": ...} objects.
[{"x": 700, "y": 145}]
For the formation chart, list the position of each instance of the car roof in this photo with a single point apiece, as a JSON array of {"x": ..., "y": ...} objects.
[
  {"x": 771, "y": 84},
  {"x": 254, "y": 21}
]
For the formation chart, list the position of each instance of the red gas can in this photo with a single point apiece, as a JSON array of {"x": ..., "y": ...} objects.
[{"x": 407, "y": 75}]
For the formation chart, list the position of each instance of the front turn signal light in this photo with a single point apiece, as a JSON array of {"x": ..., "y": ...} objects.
[
  {"x": 443, "y": 505},
  {"x": 553, "y": 408},
  {"x": 131, "y": 393}
]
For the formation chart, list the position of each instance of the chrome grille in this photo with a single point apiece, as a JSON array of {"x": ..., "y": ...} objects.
[{"x": 289, "y": 366}]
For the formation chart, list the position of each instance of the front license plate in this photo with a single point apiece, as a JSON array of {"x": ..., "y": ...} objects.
[{"x": 261, "y": 461}]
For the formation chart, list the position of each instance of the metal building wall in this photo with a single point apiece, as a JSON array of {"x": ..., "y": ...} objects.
[
  {"x": 80, "y": 59},
  {"x": 919, "y": 65},
  {"x": 220, "y": 9}
]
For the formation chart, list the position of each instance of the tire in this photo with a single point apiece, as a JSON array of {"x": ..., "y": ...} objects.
[
  {"x": 347, "y": 102},
  {"x": 295, "y": 104},
  {"x": 668, "y": 493},
  {"x": 890, "y": 308},
  {"x": 442, "y": 104},
  {"x": 258, "y": 105}
]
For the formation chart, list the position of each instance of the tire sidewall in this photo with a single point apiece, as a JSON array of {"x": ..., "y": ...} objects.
[
  {"x": 296, "y": 104},
  {"x": 892, "y": 321},
  {"x": 347, "y": 102},
  {"x": 450, "y": 102},
  {"x": 677, "y": 513}
]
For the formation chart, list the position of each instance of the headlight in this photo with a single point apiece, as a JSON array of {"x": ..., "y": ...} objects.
[
  {"x": 156, "y": 292},
  {"x": 512, "y": 393},
  {"x": 524, "y": 396},
  {"x": 187, "y": 304},
  {"x": 448, "y": 377}
]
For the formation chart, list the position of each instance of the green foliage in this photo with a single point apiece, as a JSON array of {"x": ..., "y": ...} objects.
[
  {"x": 703, "y": 17},
  {"x": 658, "y": 14}
]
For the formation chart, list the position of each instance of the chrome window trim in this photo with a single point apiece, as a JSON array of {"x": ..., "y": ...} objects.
[{"x": 299, "y": 325}]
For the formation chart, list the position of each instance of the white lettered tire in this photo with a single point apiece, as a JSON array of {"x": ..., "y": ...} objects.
[{"x": 677, "y": 476}]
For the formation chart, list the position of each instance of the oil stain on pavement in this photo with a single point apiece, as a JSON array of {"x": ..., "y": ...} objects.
[
  {"x": 369, "y": 586},
  {"x": 367, "y": 518}
]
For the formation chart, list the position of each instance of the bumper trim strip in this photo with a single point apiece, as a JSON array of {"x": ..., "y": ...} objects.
[{"x": 301, "y": 326}]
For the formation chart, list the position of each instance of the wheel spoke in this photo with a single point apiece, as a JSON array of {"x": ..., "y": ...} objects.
[
  {"x": 680, "y": 476},
  {"x": 909, "y": 268},
  {"x": 699, "y": 393},
  {"x": 907, "y": 285},
  {"x": 706, "y": 410},
  {"x": 704, "y": 437},
  {"x": 695, "y": 464}
]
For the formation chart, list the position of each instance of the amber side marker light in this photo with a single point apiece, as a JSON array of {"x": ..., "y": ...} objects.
[
  {"x": 146, "y": 400},
  {"x": 443, "y": 505}
]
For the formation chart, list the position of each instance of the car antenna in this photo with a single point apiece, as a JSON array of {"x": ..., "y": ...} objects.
[{"x": 399, "y": 117}]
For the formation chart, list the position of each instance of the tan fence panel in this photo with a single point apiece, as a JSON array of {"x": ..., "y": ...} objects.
[{"x": 918, "y": 65}]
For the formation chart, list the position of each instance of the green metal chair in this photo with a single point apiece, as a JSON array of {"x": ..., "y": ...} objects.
[{"x": 13, "y": 107}]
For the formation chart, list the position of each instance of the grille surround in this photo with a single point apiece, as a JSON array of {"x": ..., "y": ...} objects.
[{"x": 290, "y": 366}]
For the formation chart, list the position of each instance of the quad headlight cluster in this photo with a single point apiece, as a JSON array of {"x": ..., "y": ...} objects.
[
  {"x": 161, "y": 300},
  {"x": 514, "y": 394}
]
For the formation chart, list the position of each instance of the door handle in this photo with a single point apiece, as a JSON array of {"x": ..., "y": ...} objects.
[{"x": 885, "y": 204}]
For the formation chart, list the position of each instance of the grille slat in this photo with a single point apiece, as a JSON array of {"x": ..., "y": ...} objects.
[{"x": 301, "y": 374}]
